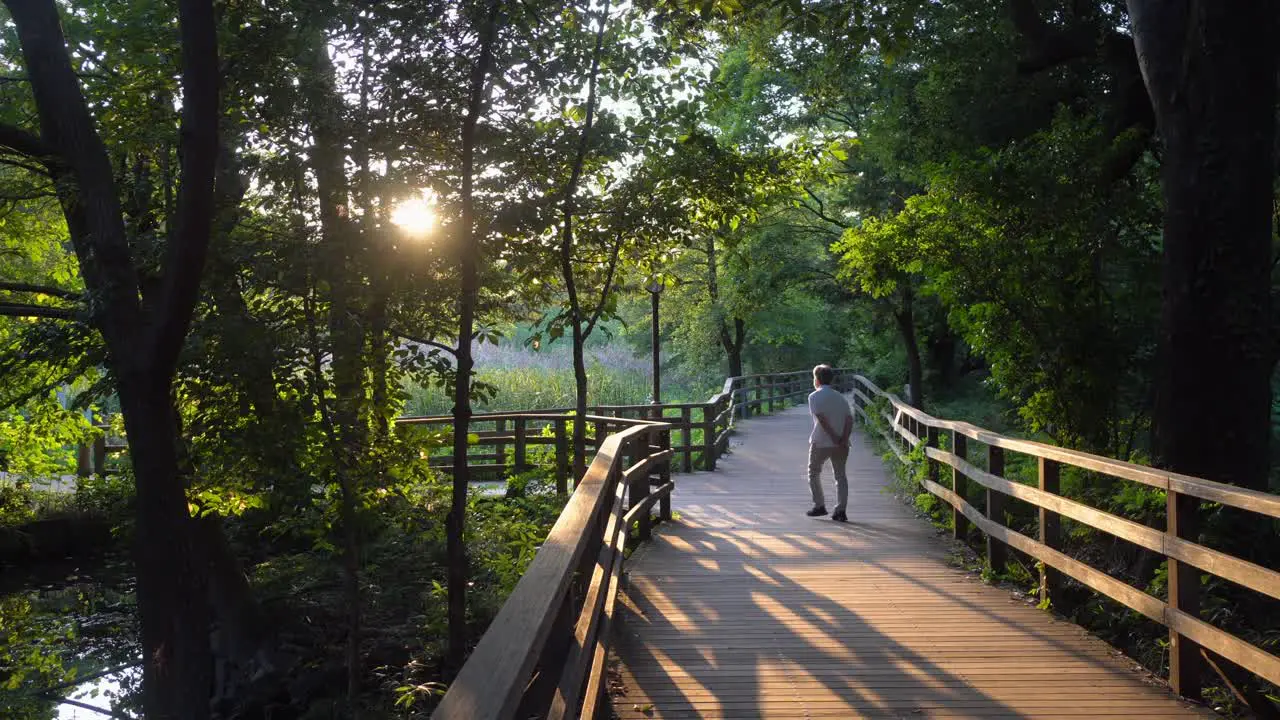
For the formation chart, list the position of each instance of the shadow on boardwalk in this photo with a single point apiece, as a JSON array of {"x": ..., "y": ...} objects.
[{"x": 745, "y": 608}]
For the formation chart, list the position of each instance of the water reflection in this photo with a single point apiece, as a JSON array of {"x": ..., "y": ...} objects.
[
  {"x": 100, "y": 698},
  {"x": 68, "y": 632}
]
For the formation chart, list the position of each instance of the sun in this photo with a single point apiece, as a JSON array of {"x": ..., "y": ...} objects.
[{"x": 415, "y": 215}]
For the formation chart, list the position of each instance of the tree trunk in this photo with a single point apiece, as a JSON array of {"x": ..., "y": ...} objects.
[
  {"x": 907, "y": 328},
  {"x": 172, "y": 593},
  {"x": 1210, "y": 71},
  {"x": 579, "y": 404},
  {"x": 733, "y": 345},
  {"x": 942, "y": 353},
  {"x": 469, "y": 256},
  {"x": 576, "y": 313},
  {"x": 144, "y": 342},
  {"x": 346, "y": 330}
]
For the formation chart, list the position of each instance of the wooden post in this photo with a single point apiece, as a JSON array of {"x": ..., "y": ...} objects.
[
  {"x": 746, "y": 403},
  {"x": 562, "y": 457},
  {"x": 709, "y": 436},
  {"x": 664, "y": 476},
  {"x": 521, "y": 453},
  {"x": 602, "y": 432},
  {"x": 1051, "y": 581},
  {"x": 959, "y": 523},
  {"x": 722, "y": 446},
  {"x": 772, "y": 391},
  {"x": 686, "y": 430},
  {"x": 500, "y": 447},
  {"x": 100, "y": 454},
  {"x": 997, "y": 552},
  {"x": 931, "y": 440},
  {"x": 84, "y": 461},
  {"x": 1184, "y": 595},
  {"x": 638, "y": 488}
]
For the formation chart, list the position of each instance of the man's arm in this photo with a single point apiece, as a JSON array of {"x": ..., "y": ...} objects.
[
  {"x": 848, "y": 429},
  {"x": 826, "y": 427}
]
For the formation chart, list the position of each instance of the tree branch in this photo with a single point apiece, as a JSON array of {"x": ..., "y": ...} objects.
[
  {"x": 422, "y": 341},
  {"x": 86, "y": 182},
  {"x": 36, "y": 311},
  {"x": 604, "y": 291},
  {"x": 193, "y": 228},
  {"x": 821, "y": 211},
  {"x": 23, "y": 142},
  {"x": 41, "y": 290},
  {"x": 1048, "y": 47}
]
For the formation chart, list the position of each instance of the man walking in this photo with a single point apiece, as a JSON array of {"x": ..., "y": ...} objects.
[{"x": 830, "y": 411}]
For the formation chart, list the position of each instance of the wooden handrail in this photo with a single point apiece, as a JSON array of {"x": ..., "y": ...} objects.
[
  {"x": 912, "y": 428},
  {"x": 495, "y": 681}
]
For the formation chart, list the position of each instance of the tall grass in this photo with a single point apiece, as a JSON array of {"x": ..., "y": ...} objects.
[{"x": 530, "y": 380}]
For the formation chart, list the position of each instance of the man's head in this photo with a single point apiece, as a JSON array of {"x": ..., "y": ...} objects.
[{"x": 823, "y": 375}]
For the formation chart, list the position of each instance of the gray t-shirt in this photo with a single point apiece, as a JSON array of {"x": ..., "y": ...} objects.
[{"x": 833, "y": 406}]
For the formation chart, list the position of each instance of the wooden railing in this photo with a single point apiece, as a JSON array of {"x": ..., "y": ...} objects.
[
  {"x": 701, "y": 430},
  {"x": 545, "y": 653},
  {"x": 1190, "y": 637}
]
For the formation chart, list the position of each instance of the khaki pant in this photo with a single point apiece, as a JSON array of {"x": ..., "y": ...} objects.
[{"x": 818, "y": 457}]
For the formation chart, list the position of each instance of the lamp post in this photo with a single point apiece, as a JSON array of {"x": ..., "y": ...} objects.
[{"x": 655, "y": 289}]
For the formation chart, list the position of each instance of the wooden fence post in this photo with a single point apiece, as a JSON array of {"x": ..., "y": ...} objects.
[
  {"x": 521, "y": 453},
  {"x": 638, "y": 487},
  {"x": 500, "y": 447},
  {"x": 100, "y": 454},
  {"x": 997, "y": 551},
  {"x": 959, "y": 523},
  {"x": 686, "y": 432},
  {"x": 84, "y": 461},
  {"x": 1184, "y": 595},
  {"x": 562, "y": 456},
  {"x": 664, "y": 475},
  {"x": 709, "y": 436},
  {"x": 770, "y": 382},
  {"x": 931, "y": 439},
  {"x": 1051, "y": 581}
]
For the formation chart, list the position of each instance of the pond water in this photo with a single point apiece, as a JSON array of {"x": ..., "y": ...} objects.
[
  {"x": 64, "y": 621},
  {"x": 100, "y": 695}
]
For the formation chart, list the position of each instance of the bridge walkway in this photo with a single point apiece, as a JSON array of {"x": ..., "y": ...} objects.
[{"x": 745, "y": 608}]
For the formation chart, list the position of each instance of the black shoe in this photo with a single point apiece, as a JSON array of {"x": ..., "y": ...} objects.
[
  {"x": 818, "y": 511},
  {"x": 839, "y": 516}
]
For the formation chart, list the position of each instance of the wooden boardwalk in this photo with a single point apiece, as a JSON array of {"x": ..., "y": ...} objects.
[{"x": 746, "y": 608}]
